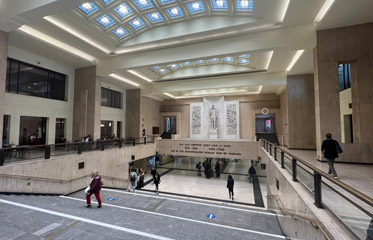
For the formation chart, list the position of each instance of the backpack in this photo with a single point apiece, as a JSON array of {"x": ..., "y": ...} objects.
[{"x": 133, "y": 178}]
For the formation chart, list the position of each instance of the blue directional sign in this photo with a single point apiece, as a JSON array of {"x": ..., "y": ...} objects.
[
  {"x": 111, "y": 199},
  {"x": 210, "y": 216}
]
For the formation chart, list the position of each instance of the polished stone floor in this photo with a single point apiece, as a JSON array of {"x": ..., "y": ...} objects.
[{"x": 180, "y": 177}]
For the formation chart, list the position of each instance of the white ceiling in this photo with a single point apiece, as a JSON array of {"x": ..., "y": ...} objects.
[{"x": 272, "y": 33}]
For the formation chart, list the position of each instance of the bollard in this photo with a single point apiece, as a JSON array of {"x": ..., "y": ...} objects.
[{"x": 294, "y": 167}]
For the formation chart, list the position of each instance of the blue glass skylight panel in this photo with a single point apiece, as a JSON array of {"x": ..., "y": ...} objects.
[
  {"x": 175, "y": 12},
  {"x": 244, "y": 5},
  {"x": 120, "y": 32},
  {"x": 155, "y": 17},
  {"x": 200, "y": 62},
  {"x": 163, "y": 2},
  {"x": 187, "y": 64},
  {"x": 163, "y": 71},
  {"x": 155, "y": 68},
  {"x": 244, "y": 61},
  {"x": 196, "y": 7},
  {"x": 244, "y": 56},
  {"x": 137, "y": 23},
  {"x": 88, "y": 8},
  {"x": 229, "y": 59},
  {"x": 174, "y": 66},
  {"x": 105, "y": 21},
  {"x": 214, "y": 60},
  {"x": 219, "y": 5},
  {"x": 108, "y": 1},
  {"x": 123, "y": 10},
  {"x": 144, "y": 4}
]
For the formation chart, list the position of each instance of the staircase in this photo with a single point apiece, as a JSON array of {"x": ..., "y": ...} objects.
[{"x": 271, "y": 137}]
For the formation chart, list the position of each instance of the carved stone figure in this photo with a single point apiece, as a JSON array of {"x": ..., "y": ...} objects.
[{"x": 213, "y": 118}]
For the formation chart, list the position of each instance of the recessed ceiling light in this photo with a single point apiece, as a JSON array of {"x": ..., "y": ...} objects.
[
  {"x": 244, "y": 3},
  {"x": 324, "y": 9},
  {"x": 169, "y": 95},
  {"x": 136, "y": 23},
  {"x": 120, "y": 31},
  {"x": 175, "y": 11},
  {"x": 87, "y": 6},
  {"x": 195, "y": 6},
  {"x": 124, "y": 80},
  {"x": 139, "y": 75},
  {"x": 220, "y": 3},
  {"x": 294, "y": 60},
  {"x": 105, "y": 20}
]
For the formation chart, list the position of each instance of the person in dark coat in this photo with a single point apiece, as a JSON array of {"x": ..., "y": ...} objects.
[
  {"x": 230, "y": 184},
  {"x": 152, "y": 172},
  {"x": 94, "y": 188},
  {"x": 217, "y": 169},
  {"x": 157, "y": 180},
  {"x": 140, "y": 183},
  {"x": 329, "y": 149},
  {"x": 252, "y": 172},
  {"x": 207, "y": 170},
  {"x": 199, "y": 168}
]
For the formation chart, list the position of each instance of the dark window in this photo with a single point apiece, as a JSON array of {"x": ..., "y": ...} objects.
[
  {"x": 24, "y": 78},
  {"x": 110, "y": 98},
  {"x": 344, "y": 76},
  {"x": 60, "y": 130}
]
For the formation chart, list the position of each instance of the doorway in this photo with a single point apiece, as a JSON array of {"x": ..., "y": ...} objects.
[
  {"x": 33, "y": 131},
  {"x": 106, "y": 129},
  {"x": 169, "y": 124},
  {"x": 265, "y": 123}
]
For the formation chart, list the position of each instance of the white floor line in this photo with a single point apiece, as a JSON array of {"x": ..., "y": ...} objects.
[
  {"x": 47, "y": 229},
  {"x": 184, "y": 219},
  {"x": 85, "y": 220},
  {"x": 186, "y": 201}
]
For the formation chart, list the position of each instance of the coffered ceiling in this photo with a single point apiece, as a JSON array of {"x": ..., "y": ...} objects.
[{"x": 184, "y": 48}]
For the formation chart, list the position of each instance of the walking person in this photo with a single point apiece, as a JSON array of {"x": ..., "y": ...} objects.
[
  {"x": 152, "y": 172},
  {"x": 133, "y": 178},
  {"x": 230, "y": 184},
  {"x": 330, "y": 148},
  {"x": 157, "y": 181},
  {"x": 252, "y": 172},
  {"x": 199, "y": 168},
  {"x": 140, "y": 183},
  {"x": 207, "y": 170},
  {"x": 217, "y": 169},
  {"x": 94, "y": 188}
]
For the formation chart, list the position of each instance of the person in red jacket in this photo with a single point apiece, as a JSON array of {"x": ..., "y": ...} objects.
[{"x": 94, "y": 188}]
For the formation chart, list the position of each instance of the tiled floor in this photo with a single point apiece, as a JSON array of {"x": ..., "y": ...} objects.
[
  {"x": 183, "y": 180},
  {"x": 358, "y": 176}
]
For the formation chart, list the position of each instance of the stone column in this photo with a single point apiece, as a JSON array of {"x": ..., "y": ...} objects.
[
  {"x": 133, "y": 105},
  {"x": 3, "y": 63},
  {"x": 51, "y": 130},
  {"x": 87, "y": 104}
]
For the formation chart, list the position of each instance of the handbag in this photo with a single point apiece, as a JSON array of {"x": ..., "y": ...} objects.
[
  {"x": 87, "y": 189},
  {"x": 338, "y": 147}
]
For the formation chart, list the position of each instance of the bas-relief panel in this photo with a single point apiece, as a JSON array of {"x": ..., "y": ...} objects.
[
  {"x": 196, "y": 119},
  {"x": 231, "y": 119}
]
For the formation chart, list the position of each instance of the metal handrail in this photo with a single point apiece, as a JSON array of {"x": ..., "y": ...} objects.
[
  {"x": 342, "y": 185},
  {"x": 58, "y": 180}
]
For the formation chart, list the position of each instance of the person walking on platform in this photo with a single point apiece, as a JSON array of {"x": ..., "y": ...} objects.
[
  {"x": 207, "y": 170},
  {"x": 94, "y": 188},
  {"x": 330, "y": 148},
  {"x": 217, "y": 169},
  {"x": 140, "y": 183},
  {"x": 133, "y": 178},
  {"x": 230, "y": 184},
  {"x": 199, "y": 168},
  {"x": 252, "y": 172},
  {"x": 157, "y": 181},
  {"x": 152, "y": 172}
]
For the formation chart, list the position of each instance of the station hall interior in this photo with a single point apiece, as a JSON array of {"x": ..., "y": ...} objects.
[{"x": 200, "y": 91}]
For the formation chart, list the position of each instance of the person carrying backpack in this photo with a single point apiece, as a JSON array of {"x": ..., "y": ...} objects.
[
  {"x": 230, "y": 184},
  {"x": 133, "y": 178},
  {"x": 330, "y": 148},
  {"x": 252, "y": 172},
  {"x": 157, "y": 180},
  {"x": 198, "y": 166}
]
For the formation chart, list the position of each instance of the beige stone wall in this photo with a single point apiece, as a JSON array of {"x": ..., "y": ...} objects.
[
  {"x": 133, "y": 105},
  {"x": 149, "y": 115},
  {"x": 345, "y": 99},
  {"x": 3, "y": 63},
  {"x": 284, "y": 138},
  {"x": 249, "y": 106},
  {"x": 87, "y": 103},
  {"x": 354, "y": 45},
  {"x": 301, "y": 112},
  {"x": 61, "y": 175}
]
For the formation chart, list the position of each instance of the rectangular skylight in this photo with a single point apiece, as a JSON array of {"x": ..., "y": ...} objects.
[
  {"x": 244, "y": 5},
  {"x": 108, "y": 1},
  {"x": 120, "y": 32},
  {"x": 214, "y": 60},
  {"x": 187, "y": 64},
  {"x": 200, "y": 62},
  {"x": 175, "y": 12},
  {"x": 174, "y": 66},
  {"x": 88, "y": 8},
  {"x": 155, "y": 17},
  {"x": 137, "y": 23},
  {"x": 219, "y": 5},
  {"x": 196, "y": 7},
  {"x": 144, "y": 4},
  {"x": 105, "y": 21},
  {"x": 243, "y": 61},
  {"x": 123, "y": 10},
  {"x": 244, "y": 56},
  {"x": 163, "y": 71},
  {"x": 229, "y": 59},
  {"x": 163, "y": 2},
  {"x": 155, "y": 68}
]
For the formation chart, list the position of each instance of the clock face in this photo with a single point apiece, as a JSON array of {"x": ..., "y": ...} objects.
[{"x": 265, "y": 111}]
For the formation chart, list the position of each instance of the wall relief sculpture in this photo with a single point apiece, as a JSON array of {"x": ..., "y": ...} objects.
[
  {"x": 231, "y": 119},
  {"x": 196, "y": 120}
]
